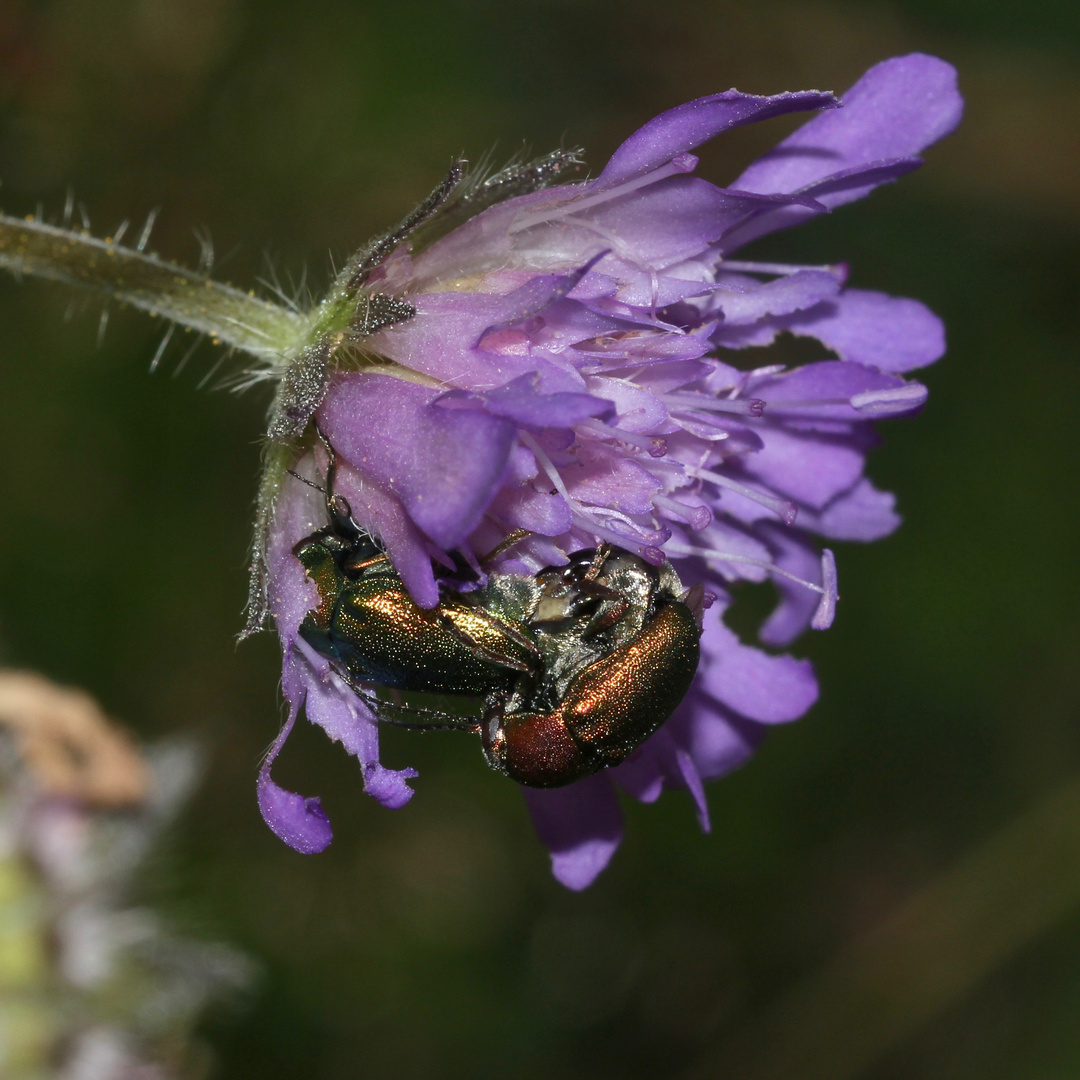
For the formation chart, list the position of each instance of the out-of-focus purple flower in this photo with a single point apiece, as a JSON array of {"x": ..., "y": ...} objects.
[
  {"x": 572, "y": 370},
  {"x": 100, "y": 989}
]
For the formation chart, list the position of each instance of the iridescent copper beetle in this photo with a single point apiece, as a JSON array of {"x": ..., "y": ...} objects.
[
  {"x": 574, "y": 667},
  {"x": 619, "y": 643}
]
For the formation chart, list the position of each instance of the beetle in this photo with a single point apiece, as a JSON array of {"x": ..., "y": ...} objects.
[
  {"x": 617, "y": 664},
  {"x": 574, "y": 666},
  {"x": 368, "y": 624}
]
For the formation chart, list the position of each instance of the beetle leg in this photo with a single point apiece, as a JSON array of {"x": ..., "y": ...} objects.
[
  {"x": 596, "y": 564},
  {"x": 511, "y": 632},
  {"x": 597, "y": 593},
  {"x": 510, "y": 540},
  {"x": 486, "y": 652},
  {"x": 594, "y": 589},
  {"x": 337, "y": 506},
  {"x": 439, "y": 720},
  {"x": 359, "y": 565},
  {"x": 609, "y": 618}
]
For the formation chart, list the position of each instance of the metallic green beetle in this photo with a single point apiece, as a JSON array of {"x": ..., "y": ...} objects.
[{"x": 575, "y": 666}]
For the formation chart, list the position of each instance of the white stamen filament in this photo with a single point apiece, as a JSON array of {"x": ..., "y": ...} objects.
[
  {"x": 697, "y": 517},
  {"x": 639, "y": 544},
  {"x": 587, "y": 202},
  {"x": 654, "y": 445},
  {"x": 826, "y": 610},
  {"x": 720, "y": 557},
  {"x": 870, "y": 401},
  {"x": 887, "y": 400},
  {"x": 587, "y": 519},
  {"x": 808, "y": 403},
  {"x": 605, "y": 512},
  {"x": 547, "y": 465},
  {"x": 783, "y": 269},
  {"x": 784, "y": 509},
  {"x": 705, "y": 403}
]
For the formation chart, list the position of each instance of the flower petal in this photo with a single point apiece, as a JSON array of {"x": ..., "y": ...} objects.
[
  {"x": 793, "y": 553},
  {"x": 445, "y": 465},
  {"x": 694, "y": 783},
  {"x": 299, "y": 512},
  {"x": 681, "y": 771},
  {"x": 663, "y": 224},
  {"x": 538, "y": 511},
  {"x": 641, "y": 775},
  {"x": 861, "y": 513},
  {"x": 889, "y": 332},
  {"x": 662, "y": 758},
  {"x": 607, "y": 477},
  {"x": 805, "y": 467},
  {"x": 769, "y": 689},
  {"x": 687, "y": 126},
  {"x": 521, "y": 401},
  {"x": 781, "y": 296},
  {"x": 896, "y": 109},
  {"x": 850, "y": 183},
  {"x": 636, "y": 408},
  {"x": 332, "y": 705},
  {"x": 580, "y": 824},
  {"x": 298, "y": 821},
  {"x": 718, "y": 740},
  {"x": 443, "y": 341}
]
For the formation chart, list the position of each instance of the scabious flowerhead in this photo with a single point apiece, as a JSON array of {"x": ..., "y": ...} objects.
[{"x": 569, "y": 365}]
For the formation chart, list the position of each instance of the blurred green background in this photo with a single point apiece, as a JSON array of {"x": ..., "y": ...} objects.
[{"x": 431, "y": 941}]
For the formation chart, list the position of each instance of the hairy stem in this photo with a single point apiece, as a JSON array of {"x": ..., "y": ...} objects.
[{"x": 229, "y": 316}]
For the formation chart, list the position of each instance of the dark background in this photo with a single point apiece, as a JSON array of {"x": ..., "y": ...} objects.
[{"x": 431, "y": 941}]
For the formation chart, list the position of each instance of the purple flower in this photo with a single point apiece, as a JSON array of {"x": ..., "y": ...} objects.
[{"x": 566, "y": 372}]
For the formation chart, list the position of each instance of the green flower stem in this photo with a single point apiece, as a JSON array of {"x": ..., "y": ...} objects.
[
  {"x": 297, "y": 351},
  {"x": 880, "y": 990},
  {"x": 228, "y": 316}
]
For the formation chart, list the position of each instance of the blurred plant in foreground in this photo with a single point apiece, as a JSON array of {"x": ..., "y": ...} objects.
[{"x": 91, "y": 988}]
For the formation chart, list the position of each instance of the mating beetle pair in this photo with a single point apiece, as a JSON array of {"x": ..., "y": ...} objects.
[{"x": 575, "y": 666}]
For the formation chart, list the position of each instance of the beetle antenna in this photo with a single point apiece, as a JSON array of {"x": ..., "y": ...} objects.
[
  {"x": 331, "y": 463},
  {"x": 305, "y": 480},
  {"x": 338, "y": 509}
]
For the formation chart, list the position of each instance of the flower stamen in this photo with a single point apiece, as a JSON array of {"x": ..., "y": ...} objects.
[
  {"x": 697, "y": 517},
  {"x": 546, "y": 464},
  {"x": 781, "y": 269},
  {"x": 653, "y": 445},
  {"x": 681, "y": 163},
  {"x": 703, "y": 402},
  {"x": 784, "y": 509},
  {"x": 591, "y": 520},
  {"x": 826, "y": 609}
]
